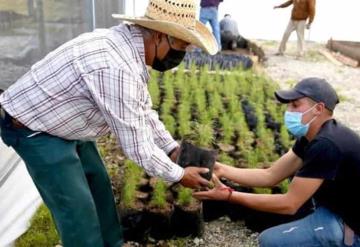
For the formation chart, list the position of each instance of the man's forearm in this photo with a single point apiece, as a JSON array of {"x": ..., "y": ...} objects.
[
  {"x": 248, "y": 177},
  {"x": 268, "y": 203},
  {"x": 286, "y": 4}
]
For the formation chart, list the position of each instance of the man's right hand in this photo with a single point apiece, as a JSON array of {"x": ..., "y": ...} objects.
[{"x": 193, "y": 179}]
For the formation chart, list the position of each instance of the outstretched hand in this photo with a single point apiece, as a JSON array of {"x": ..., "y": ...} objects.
[{"x": 220, "y": 192}]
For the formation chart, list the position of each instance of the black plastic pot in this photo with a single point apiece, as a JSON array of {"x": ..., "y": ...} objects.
[
  {"x": 250, "y": 116},
  {"x": 160, "y": 222},
  {"x": 188, "y": 220},
  {"x": 136, "y": 225},
  {"x": 191, "y": 155},
  {"x": 213, "y": 210}
]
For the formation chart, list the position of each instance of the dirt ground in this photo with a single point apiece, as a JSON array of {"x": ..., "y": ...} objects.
[{"x": 288, "y": 69}]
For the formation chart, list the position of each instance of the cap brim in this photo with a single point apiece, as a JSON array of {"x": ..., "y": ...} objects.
[
  {"x": 200, "y": 36},
  {"x": 286, "y": 96}
]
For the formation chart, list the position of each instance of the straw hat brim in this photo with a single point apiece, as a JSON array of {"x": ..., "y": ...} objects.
[{"x": 200, "y": 36}]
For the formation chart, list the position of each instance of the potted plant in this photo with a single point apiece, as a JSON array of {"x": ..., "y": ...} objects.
[
  {"x": 132, "y": 204},
  {"x": 187, "y": 219},
  {"x": 160, "y": 210}
]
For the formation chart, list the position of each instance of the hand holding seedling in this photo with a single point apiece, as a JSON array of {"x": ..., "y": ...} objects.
[
  {"x": 220, "y": 192},
  {"x": 192, "y": 177}
]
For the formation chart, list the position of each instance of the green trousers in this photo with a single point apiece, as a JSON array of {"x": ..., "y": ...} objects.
[{"x": 73, "y": 183}]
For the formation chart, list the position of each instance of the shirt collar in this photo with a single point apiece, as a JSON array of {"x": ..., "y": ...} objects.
[{"x": 139, "y": 45}]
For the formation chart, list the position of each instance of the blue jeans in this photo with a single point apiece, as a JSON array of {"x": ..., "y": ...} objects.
[
  {"x": 72, "y": 180},
  {"x": 321, "y": 228},
  {"x": 210, "y": 14}
]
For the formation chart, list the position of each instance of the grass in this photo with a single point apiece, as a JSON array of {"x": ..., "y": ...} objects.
[
  {"x": 343, "y": 98},
  {"x": 314, "y": 56},
  {"x": 42, "y": 232}
]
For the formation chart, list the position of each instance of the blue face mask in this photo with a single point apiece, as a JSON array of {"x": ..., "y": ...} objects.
[{"x": 293, "y": 122}]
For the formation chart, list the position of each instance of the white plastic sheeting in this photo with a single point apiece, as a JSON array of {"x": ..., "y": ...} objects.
[{"x": 19, "y": 198}]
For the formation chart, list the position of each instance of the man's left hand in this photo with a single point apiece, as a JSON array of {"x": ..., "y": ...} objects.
[{"x": 174, "y": 154}]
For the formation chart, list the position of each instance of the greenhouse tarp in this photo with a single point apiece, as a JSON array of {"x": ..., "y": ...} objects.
[{"x": 19, "y": 198}]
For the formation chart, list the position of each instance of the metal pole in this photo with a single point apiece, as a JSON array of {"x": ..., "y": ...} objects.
[
  {"x": 41, "y": 26},
  {"x": 93, "y": 8},
  {"x": 134, "y": 10}
]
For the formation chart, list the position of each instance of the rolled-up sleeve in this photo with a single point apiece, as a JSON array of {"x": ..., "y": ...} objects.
[
  {"x": 121, "y": 98},
  {"x": 162, "y": 137},
  {"x": 286, "y": 4}
]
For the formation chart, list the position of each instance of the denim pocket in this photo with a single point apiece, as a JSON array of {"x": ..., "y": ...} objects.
[{"x": 9, "y": 137}]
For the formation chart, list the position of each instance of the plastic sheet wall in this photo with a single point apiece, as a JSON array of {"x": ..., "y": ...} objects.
[{"x": 29, "y": 29}]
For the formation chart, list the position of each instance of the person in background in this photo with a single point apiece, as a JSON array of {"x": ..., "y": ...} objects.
[
  {"x": 325, "y": 165},
  {"x": 88, "y": 87},
  {"x": 303, "y": 10},
  {"x": 209, "y": 13},
  {"x": 230, "y": 36}
]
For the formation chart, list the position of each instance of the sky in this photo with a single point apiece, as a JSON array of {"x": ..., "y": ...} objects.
[{"x": 337, "y": 19}]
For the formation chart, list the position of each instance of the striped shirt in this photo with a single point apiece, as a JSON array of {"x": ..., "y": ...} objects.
[{"x": 91, "y": 85}]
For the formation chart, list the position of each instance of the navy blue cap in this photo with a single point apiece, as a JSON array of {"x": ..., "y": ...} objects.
[{"x": 316, "y": 89}]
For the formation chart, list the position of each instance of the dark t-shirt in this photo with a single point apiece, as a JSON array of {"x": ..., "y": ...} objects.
[
  {"x": 210, "y": 3},
  {"x": 334, "y": 155}
]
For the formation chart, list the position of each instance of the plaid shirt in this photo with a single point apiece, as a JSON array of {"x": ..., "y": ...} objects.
[{"x": 92, "y": 84}]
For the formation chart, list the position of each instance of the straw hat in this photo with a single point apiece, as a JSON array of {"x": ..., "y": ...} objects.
[{"x": 176, "y": 18}]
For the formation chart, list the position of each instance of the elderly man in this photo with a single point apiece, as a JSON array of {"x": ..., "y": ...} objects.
[
  {"x": 89, "y": 86},
  {"x": 325, "y": 162},
  {"x": 303, "y": 10}
]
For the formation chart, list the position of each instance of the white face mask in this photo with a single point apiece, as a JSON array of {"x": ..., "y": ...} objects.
[{"x": 293, "y": 122}]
